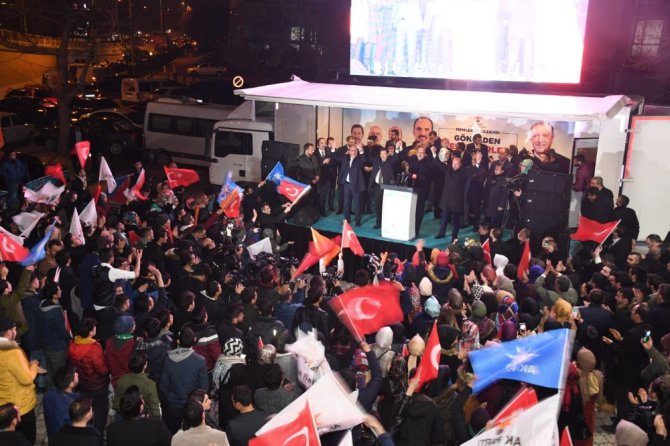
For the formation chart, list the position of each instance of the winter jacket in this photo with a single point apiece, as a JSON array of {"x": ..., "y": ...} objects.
[
  {"x": 13, "y": 171},
  {"x": 16, "y": 377},
  {"x": 31, "y": 340},
  {"x": 10, "y": 307},
  {"x": 86, "y": 355},
  {"x": 549, "y": 297},
  {"x": 316, "y": 317},
  {"x": 267, "y": 328},
  {"x": 443, "y": 280},
  {"x": 421, "y": 423},
  {"x": 147, "y": 388},
  {"x": 156, "y": 350},
  {"x": 368, "y": 394},
  {"x": 54, "y": 335},
  {"x": 117, "y": 353},
  {"x": 184, "y": 371},
  {"x": 56, "y": 405},
  {"x": 208, "y": 345}
]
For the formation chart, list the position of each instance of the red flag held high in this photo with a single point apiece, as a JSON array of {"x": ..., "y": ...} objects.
[
  {"x": 300, "y": 432},
  {"x": 291, "y": 189},
  {"x": 366, "y": 309},
  {"x": 349, "y": 239},
  {"x": 487, "y": 251},
  {"x": 181, "y": 177},
  {"x": 10, "y": 251},
  {"x": 83, "y": 149},
  {"x": 430, "y": 362},
  {"x": 55, "y": 171},
  {"x": 524, "y": 399},
  {"x": 591, "y": 230},
  {"x": 524, "y": 262}
]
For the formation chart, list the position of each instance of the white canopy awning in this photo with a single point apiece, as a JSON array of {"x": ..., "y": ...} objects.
[{"x": 416, "y": 100}]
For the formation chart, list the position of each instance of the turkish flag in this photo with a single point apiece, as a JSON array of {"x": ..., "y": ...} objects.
[
  {"x": 349, "y": 239},
  {"x": 307, "y": 262},
  {"x": 591, "y": 230},
  {"x": 83, "y": 149},
  {"x": 181, "y": 177},
  {"x": 299, "y": 432},
  {"x": 366, "y": 309},
  {"x": 55, "y": 171},
  {"x": 231, "y": 204},
  {"x": 291, "y": 189},
  {"x": 430, "y": 361},
  {"x": 524, "y": 262},
  {"x": 524, "y": 399},
  {"x": 566, "y": 439},
  {"x": 487, "y": 251},
  {"x": 10, "y": 250},
  {"x": 322, "y": 244}
]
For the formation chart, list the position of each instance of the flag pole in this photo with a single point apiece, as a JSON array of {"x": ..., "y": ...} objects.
[
  {"x": 610, "y": 233},
  {"x": 351, "y": 323}
]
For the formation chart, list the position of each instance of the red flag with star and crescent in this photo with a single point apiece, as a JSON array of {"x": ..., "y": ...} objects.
[
  {"x": 430, "y": 362},
  {"x": 366, "y": 309},
  {"x": 350, "y": 240},
  {"x": 291, "y": 189},
  {"x": 524, "y": 263},
  {"x": 10, "y": 250},
  {"x": 487, "y": 251},
  {"x": 299, "y": 432},
  {"x": 591, "y": 230},
  {"x": 55, "y": 171},
  {"x": 181, "y": 177},
  {"x": 83, "y": 150}
]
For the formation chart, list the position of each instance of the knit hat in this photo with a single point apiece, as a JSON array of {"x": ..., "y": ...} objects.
[
  {"x": 233, "y": 347},
  {"x": 534, "y": 272},
  {"x": 447, "y": 335},
  {"x": 500, "y": 262},
  {"x": 124, "y": 324},
  {"x": 426, "y": 287},
  {"x": 6, "y": 324},
  {"x": 432, "y": 307},
  {"x": 478, "y": 310}
]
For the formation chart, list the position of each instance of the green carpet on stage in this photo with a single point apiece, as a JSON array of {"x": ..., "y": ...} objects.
[{"x": 333, "y": 223}]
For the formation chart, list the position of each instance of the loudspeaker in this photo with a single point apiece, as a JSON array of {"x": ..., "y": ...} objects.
[
  {"x": 547, "y": 203},
  {"x": 291, "y": 168},
  {"x": 306, "y": 216}
]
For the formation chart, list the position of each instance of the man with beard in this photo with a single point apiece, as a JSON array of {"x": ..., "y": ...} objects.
[{"x": 541, "y": 136}]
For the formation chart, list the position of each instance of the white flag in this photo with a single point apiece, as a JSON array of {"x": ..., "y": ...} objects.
[
  {"x": 26, "y": 221},
  {"x": 89, "y": 216},
  {"x": 330, "y": 404},
  {"x": 535, "y": 426},
  {"x": 17, "y": 238},
  {"x": 260, "y": 246},
  {"x": 47, "y": 194},
  {"x": 106, "y": 175},
  {"x": 310, "y": 359},
  {"x": 75, "y": 228}
]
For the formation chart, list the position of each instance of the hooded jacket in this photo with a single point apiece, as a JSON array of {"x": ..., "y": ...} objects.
[
  {"x": 184, "y": 371},
  {"x": 86, "y": 355},
  {"x": 53, "y": 333},
  {"x": 208, "y": 345},
  {"x": 156, "y": 350},
  {"x": 10, "y": 307},
  {"x": 16, "y": 377},
  {"x": 118, "y": 352}
]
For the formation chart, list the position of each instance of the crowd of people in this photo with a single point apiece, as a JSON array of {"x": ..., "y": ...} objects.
[
  {"x": 460, "y": 183},
  {"x": 158, "y": 327}
]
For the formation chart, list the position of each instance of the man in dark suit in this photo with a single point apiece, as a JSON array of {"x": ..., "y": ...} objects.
[
  {"x": 474, "y": 147},
  {"x": 422, "y": 174},
  {"x": 326, "y": 185},
  {"x": 398, "y": 144},
  {"x": 309, "y": 171},
  {"x": 620, "y": 247},
  {"x": 629, "y": 223},
  {"x": 452, "y": 202},
  {"x": 351, "y": 181},
  {"x": 382, "y": 173}
]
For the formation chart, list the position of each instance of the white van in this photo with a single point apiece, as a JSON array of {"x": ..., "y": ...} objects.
[
  {"x": 180, "y": 130},
  {"x": 140, "y": 90}
]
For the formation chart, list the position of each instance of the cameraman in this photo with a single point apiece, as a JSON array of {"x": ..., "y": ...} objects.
[{"x": 289, "y": 302}]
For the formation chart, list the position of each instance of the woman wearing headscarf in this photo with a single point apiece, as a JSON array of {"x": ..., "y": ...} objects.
[{"x": 590, "y": 389}]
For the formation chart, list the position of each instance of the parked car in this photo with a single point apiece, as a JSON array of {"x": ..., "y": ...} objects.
[
  {"x": 81, "y": 106},
  {"x": 208, "y": 69},
  {"x": 14, "y": 129},
  {"x": 111, "y": 134},
  {"x": 133, "y": 115},
  {"x": 45, "y": 94},
  {"x": 30, "y": 110},
  {"x": 173, "y": 91}
]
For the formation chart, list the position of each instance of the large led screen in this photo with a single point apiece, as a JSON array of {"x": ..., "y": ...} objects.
[{"x": 485, "y": 40}]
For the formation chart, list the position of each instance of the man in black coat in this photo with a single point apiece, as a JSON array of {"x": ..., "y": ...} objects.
[
  {"x": 453, "y": 194},
  {"x": 629, "y": 222},
  {"x": 309, "y": 170},
  {"x": 351, "y": 181},
  {"x": 327, "y": 177},
  {"x": 474, "y": 147},
  {"x": 382, "y": 173},
  {"x": 595, "y": 206},
  {"x": 421, "y": 171}
]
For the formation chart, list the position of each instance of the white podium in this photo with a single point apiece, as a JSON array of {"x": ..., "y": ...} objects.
[{"x": 398, "y": 212}]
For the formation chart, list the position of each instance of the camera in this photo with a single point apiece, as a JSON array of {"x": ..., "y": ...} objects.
[
  {"x": 372, "y": 263},
  {"x": 330, "y": 275}
]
